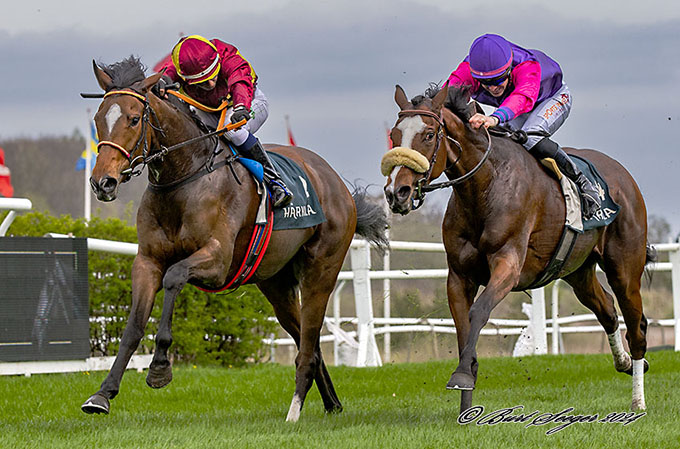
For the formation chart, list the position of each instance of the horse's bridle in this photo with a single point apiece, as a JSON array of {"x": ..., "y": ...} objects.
[
  {"x": 134, "y": 162},
  {"x": 421, "y": 187},
  {"x": 145, "y": 158}
]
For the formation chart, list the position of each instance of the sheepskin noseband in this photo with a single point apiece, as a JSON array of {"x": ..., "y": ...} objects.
[{"x": 407, "y": 157}]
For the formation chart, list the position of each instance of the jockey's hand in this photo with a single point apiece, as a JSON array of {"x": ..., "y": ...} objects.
[
  {"x": 487, "y": 121},
  {"x": 161, "y": 87},
  {"x": 240, "y": 113}
]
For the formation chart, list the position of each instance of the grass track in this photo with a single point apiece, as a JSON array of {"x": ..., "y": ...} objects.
[{"x": 404, "y": 406}]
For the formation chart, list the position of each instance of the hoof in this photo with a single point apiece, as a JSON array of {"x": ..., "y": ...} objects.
[
  {"x": 96, "y": 404},
  {"x": 159, "y": 376},
  {"x": 334, "y": 410},
  {"x": 461, "y": 381},
  {"x": 639, "y": 405},
  {"x": 629, "y": 371}
]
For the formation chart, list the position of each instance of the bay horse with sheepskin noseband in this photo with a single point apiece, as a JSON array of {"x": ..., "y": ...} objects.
[
  {"x": 195, "y": 226},
  {"x": 503, "y": 223}
]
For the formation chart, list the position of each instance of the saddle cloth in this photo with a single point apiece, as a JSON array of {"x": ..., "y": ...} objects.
[
  {"x": 305, "y": 210},
  {"x": 572, "y": 198}
]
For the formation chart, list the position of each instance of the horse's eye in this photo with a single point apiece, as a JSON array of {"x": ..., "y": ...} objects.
[
  {"x": 429, "y": 136},
  {"x": 134, "y": 121}
]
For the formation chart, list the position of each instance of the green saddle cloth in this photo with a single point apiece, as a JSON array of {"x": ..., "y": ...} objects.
[
  {"x": 305, "y": 210},
  {"x": 609, "y": 209}
]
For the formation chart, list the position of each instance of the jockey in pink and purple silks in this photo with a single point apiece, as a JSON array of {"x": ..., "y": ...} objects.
[{"x": 527, "y": 90}]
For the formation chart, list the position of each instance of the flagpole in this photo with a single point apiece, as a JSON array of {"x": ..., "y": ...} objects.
[{"x": 88, "y": 170}]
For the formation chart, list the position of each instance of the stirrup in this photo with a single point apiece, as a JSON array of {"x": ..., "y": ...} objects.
[{"x": 281, "y": 196}]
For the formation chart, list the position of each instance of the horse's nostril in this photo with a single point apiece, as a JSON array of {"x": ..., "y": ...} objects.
[
  {"x": 108, "y": 184},
  {"x": 403, "y": 193},
  {"x": 389, "y": 196}
]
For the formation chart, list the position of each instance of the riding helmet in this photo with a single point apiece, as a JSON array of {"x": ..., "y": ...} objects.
[
  {"x": 196, "y": 59},
  {"x": 490, "y": 57}
]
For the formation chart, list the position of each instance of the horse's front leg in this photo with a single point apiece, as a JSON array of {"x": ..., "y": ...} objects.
[
  {"x": 461, "y": 294},
  {"x": 505, "y": 270},
  {"x": 146, "y": 280},
  {"x": 205, "y": 264}
]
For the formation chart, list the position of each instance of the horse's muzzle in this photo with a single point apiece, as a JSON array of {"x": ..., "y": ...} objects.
[
  {"x": 399, "y": 200},
  {"x": 105, "y": 189}
]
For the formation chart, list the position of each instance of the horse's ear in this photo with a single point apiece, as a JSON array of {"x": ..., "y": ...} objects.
[
  {"x": 400, "y": 98},
  {"x": 438, "y": 100},
  {"x": 151, "y": 81},
  {"x": 103, "y": 79}
]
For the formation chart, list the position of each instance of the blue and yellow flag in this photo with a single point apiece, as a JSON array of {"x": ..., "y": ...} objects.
[{"x": 92, "y": 148}]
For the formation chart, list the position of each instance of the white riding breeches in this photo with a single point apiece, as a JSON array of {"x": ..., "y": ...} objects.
[
  {"x": 547, "y": 116},
  {"x": 259, "y": 111}
]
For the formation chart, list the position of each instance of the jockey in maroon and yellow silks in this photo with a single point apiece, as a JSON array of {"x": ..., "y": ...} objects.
[
  {"x": 215, "y": 76},
  {"x": 236, "y": 79}
]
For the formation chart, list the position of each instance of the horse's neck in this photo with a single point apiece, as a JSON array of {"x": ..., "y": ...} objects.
[
  {"x": 176, "y": 129},
  {"x": 506, "y": 162},
  {"x": 466, "y": 160}
]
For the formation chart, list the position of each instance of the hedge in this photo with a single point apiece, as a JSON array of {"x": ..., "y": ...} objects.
[{"x": 207, "y": 328}]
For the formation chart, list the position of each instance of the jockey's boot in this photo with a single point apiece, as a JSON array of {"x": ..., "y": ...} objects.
[
  {"x": 589, "y": 194},
  {"x": 281, "y": 196}
]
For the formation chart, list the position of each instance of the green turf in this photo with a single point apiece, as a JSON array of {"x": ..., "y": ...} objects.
[{"x": 402, "y": 405}]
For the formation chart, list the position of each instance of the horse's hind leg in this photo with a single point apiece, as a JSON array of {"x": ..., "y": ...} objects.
[
  {"x": 281, "y": 292},
  {"x": 624, "y": 274},
  {"x": 589, "y": 291}
]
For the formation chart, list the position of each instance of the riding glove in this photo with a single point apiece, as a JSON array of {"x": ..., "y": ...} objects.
[{"x": 240, "y": 113}]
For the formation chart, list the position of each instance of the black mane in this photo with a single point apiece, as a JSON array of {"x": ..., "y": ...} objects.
[
  {"x": 457, "y": 100},
  {"x": 125, "y": 73}
]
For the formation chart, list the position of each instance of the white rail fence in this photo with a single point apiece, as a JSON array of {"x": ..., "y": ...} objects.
[
  {"x": 359, "y": 347},
  {"x": 364, "y": 351}
]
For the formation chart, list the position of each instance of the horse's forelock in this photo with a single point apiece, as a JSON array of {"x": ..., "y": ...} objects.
[
  {"x": 432, "y": 90},
  {"x": 125, "y": 73}
]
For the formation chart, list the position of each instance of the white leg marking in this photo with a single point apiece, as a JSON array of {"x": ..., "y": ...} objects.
[
  {"x": 639, "y": 385},
  {"x": 294, "y": 411},
  {"x": 112, "y": 116},
  {"x": 622, "y": 360},
  {"x": 410, "y": 127}
]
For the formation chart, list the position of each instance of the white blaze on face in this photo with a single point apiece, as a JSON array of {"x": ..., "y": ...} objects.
[
  {"x": 391, "y": 178},
  {"x": 112, "y": 116},
  {"x": 410, "y": 127}
]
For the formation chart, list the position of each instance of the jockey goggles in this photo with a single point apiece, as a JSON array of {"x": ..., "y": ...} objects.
[{"x": 497, "y": 81}]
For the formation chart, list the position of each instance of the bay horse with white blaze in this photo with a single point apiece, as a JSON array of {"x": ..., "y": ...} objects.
[
  {"x": 504, "y": 221},
  {"x": 195, "y": 224}
]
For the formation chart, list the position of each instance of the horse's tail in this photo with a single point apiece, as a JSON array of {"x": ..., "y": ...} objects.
[
  {"x": 371, "y": 220},
  {"x": 651, "y": 256}
]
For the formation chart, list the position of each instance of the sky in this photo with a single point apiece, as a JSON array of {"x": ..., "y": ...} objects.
[{"x": 332, "y": 67}]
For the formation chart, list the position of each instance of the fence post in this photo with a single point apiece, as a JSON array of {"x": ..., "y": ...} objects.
[
  {"x": 336, "y": 317},
  {"x": 674, "y": 258},
  {"x": 368, "y": 354},
  {"x": 387, "y": 304},
  {"x": 538, "y": 321},
  {"x": 555, "y": 312}
]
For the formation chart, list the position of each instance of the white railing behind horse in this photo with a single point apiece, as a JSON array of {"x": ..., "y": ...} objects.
[
  {"x": 538, "y": 322},
  {"x": 361, "y": 276},
  {"x": 13, "y": 204}
]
